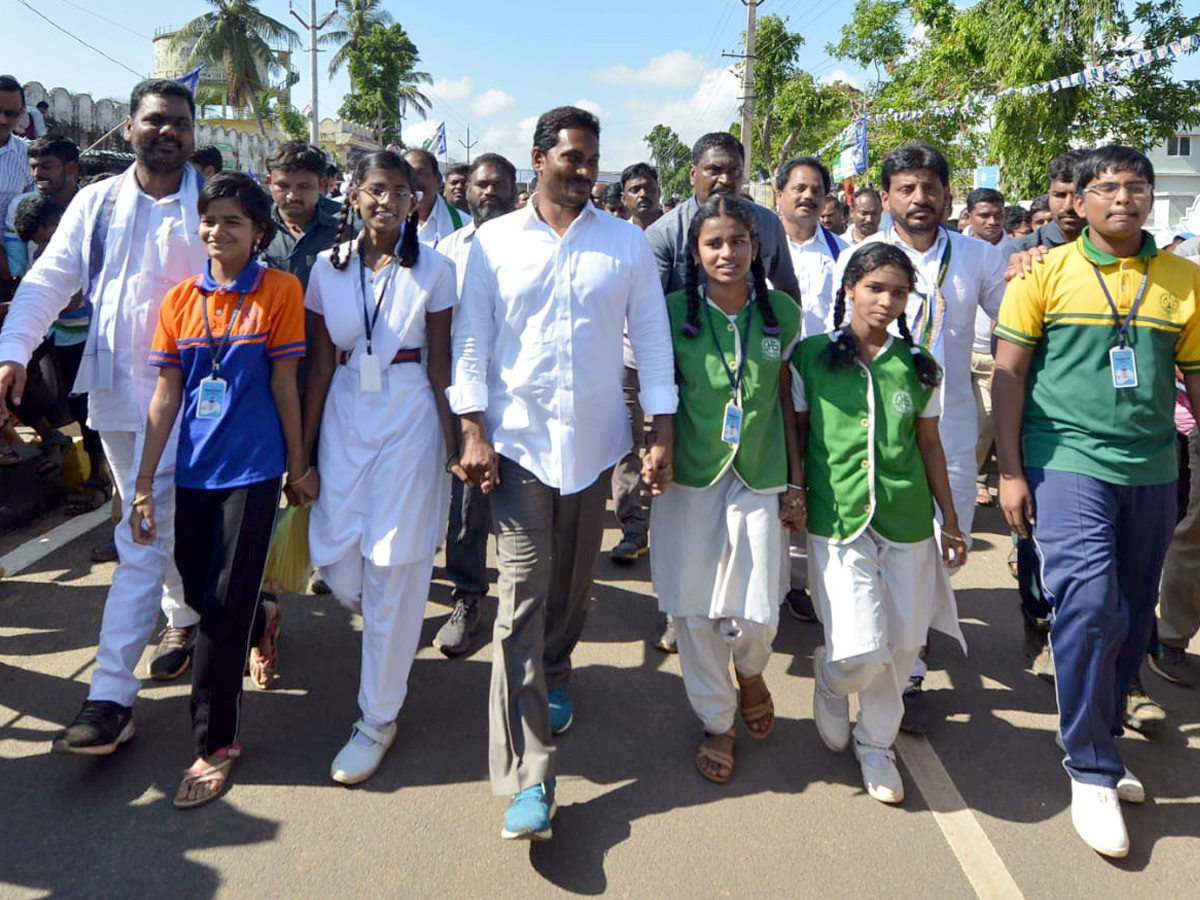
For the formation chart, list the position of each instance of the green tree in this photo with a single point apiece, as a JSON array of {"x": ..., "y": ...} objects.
[
  {"x": 239, "y": 38},
  {"x": 354, "y": 19},
  {"x": 672, "y": 158},
  {"x": 382, "y": 67},
  {"x": 776, "y": 56},
  {"x": 293, "y": 124}
]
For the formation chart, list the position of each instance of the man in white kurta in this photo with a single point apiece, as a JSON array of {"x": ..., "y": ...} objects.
[
  {"x": 538, "y": 371},
  {"x": 123, "y": 242},
  {"x": 436, "y": 218}
]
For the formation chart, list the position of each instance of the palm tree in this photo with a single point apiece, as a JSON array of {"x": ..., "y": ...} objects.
[
  {"x": 354, "y": 19},
  {"x": 238, "y": 37},
  {"x": 408, "y": 93}
]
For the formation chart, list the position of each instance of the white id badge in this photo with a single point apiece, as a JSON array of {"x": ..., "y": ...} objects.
[
  {"x": 211, "y": 404},
  {"x": 370, "y": 374},
  {"x": 731, "y": 427},
  {"x": 1124, "y": 367}
]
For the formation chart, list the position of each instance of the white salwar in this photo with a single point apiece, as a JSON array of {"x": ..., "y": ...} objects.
[
  {"x": 717, "y": 567},
  {"x": 384, "y": 497}
]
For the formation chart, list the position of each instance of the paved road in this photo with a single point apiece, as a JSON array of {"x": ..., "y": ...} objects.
[{"x": 989, "y": 818}]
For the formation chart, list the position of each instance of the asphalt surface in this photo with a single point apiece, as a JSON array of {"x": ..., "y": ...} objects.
[{"x": 635, "y": 819}]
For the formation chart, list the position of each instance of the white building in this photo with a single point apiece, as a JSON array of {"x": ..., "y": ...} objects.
[{"x": 1176, "y": 184}]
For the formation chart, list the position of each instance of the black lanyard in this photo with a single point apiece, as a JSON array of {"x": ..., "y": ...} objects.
[
  {"x": 1123, "y": 327},
  {"x": 735, "y": 381},
  {"x": 218, "y": 353},
  {"x": 368, "y": 319}
]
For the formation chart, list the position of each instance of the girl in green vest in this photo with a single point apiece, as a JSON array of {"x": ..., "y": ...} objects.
[
  {"x": 867, "y": 407},
  {"x": 719, "y": 558}
]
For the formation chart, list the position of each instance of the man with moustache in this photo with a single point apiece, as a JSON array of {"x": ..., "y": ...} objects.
[
  {"x": 15, "y": 177},
  {"x": 455, "y": 191},
  {"x": 801, "y": 186},
  {"x": 537, "y": 382},
  {"x": 717, "y": 170},
  {"x": 491, "y": 188},
  {"x": 124, "y": 242},
  {"x": 436, "y": 218},
  {"x": 956, "y": 275},
  {"x": 833, "y": 214},
  {"x": 641, "y": 193},
  {"x": 1065, "y": 224},
  {"x": 865, "y": 213}
]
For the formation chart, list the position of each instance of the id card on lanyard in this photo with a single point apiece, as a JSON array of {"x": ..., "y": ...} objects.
[
  {"x": 214, "y": 390},
  {"x": 1121, "y": 359},
  {"x": 731, "y": 420},
  {"x": 370, "y": 369}
]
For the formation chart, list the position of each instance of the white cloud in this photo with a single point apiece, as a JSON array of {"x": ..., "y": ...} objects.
[
  {"x": 510, "y": 141},
  {"x": 593, "y": 107},
  {"x": 449, "y": 91},
  {"x": 493, "y": 102},
  {"x": 711, "y": 107},
  {"x": 677, "y": 69},
  {"x": 415, "y": 134},
  {"x": 840, "y": 75}
]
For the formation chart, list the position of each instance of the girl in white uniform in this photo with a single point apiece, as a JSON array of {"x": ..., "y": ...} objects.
[
  {"x": 377, "y": 388},
  {"x": 867, "y": 410},
  {"x": 718, "y": 554}
]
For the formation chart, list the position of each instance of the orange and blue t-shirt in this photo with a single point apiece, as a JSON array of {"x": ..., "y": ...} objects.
[{"x": 245, "y": 445}]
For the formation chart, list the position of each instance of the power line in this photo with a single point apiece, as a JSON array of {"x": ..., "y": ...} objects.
[
  {"x": 108, "y": 20},
  {"x": 81, "y": 40}
]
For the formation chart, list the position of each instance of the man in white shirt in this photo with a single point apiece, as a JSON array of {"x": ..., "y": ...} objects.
[
  {"x": 538, "y": 368},
  {"x": 491, "y": 191},
  {"x": 15, "y": 177},
  {"x": 956, "y": 276},
  {"x": 865, "y": 213},
  {"x": 801, "y": 186},
  {"x": 123, "y": 242},
  {"x": 436, "y": 218}
]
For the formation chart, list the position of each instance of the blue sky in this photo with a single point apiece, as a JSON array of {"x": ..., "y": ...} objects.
[{"x": 496, "y": 65}]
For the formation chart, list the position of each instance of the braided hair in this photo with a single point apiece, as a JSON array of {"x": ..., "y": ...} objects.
[
  {"x": 843, "y": 347},
  {"x": 739, "y": 210},
  {"x": 409, "y": 247}
]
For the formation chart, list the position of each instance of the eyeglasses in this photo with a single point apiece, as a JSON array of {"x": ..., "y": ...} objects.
[
  {"x": 381, "y": 194},
  {"x": 12, "y": 113},
  {"x": 1109, "y": 189}
]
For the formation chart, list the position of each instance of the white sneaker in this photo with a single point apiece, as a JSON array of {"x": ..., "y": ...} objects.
[
  {"x": 881, "y": 778},
  {"x": 1130, "y": 788},
  {"x": 1096, "y": 815},
  {"x": 354, "y": 764},
  {"x": 831, "y": 712}
]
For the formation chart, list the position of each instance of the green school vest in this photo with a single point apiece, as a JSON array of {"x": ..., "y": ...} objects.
[
  {"x": 863, "y": 466},
  {"x": 701, "y": 457}
]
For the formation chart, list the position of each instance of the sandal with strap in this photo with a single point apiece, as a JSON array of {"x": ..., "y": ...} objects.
[
  {"x": 264, "y": 656},
  {"x": 202, "y": 774},
  {"x": 759, "y": 717},
  {"x": 707, "y": 753}
]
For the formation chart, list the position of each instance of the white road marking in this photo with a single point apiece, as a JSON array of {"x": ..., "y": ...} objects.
[
  {"x": 34, "y": 550},
  {"x": 975, "y": 853}
]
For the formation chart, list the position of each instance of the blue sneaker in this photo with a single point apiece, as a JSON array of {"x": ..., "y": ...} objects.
[
  {"x": 530, "y": 813},
  {"x": 562, "y": 710}
]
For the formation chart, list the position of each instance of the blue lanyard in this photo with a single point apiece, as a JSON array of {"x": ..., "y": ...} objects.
[
  {"x": 218, "y": 353},
  {"x": 735, "y": 381},
  {"x": 369, "y": 320},
  {"x": 1123, "y": 327}
]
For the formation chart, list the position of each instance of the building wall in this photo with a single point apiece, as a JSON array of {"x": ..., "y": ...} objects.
[{"x": 1176, "y": 187}]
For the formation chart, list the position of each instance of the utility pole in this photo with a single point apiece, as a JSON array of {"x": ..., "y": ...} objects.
[
  {"x": 312, "y": 26},
  {"x": 747, "y": 82},
  {"x": 468, "y": 145}
]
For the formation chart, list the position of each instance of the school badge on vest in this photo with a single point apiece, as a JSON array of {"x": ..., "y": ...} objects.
[
  {"x": 771, "y": 348},
  {"x": 902, "y": 402}
]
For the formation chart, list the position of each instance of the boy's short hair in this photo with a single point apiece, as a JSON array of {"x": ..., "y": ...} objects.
[
  {"x": 1112, "y": 158},
  {"x": 298, "y": 156},
  {"x": 241, "y": 187},
  {"x": 34, "y": 212}
]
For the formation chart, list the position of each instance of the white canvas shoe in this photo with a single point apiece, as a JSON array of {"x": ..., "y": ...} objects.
[
  {"x": 831, "y": 712},
  {"x": 354, "y": 764},
  {"x": 1096, "y": 815},
  {"x": 1130, "y": 788},
  {"x": 880, "y": 776}
]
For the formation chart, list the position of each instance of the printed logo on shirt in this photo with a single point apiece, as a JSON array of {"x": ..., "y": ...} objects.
[
  {"x": 1169, "y": 303},
  {"x": 771, "y": 348},
  {"x": 902, "y": 402}
]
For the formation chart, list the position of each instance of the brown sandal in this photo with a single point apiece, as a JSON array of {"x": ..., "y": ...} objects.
[
  {"x": 202, "y": 774},
  {"x": 264, "y": 656},
  {"x": 759, "y": 717},
  {"x": 707, "y": 753}
]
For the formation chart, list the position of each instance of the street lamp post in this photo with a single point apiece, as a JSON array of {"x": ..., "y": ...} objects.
[{"x": 312, "y": 26}]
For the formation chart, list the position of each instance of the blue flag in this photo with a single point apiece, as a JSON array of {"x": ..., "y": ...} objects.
[
  {"x": 436, "y": 143},
  {"x": 192, "y": 79}
]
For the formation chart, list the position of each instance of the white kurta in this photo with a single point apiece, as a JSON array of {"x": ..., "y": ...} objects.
[
  {"x": 718, "y": 551},
  {"x": 384, "y": 491}
]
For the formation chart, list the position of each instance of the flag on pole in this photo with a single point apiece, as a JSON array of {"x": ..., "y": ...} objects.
[
  {"x": 436, "y": 143},
  {"x": 852, "y": 151},
  {"x": 192, "y": 79}
]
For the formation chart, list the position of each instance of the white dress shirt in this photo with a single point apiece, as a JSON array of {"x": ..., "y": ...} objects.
[
  {"x": 457, "y": 247},
  {"x": 440, "y": 225},
  {"x": 537, "y": 343},
  {"x": 814, "y": 264}
]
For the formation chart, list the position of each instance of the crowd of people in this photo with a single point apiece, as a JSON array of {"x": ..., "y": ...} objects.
[{"x": 790, "y": 407}]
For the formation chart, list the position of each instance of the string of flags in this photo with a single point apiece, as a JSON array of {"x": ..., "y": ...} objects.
[{"x": 976, "y": 101}]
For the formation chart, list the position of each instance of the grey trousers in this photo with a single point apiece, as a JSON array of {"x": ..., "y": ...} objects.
[
  {"x": 631, "y": 500},
  {"x": 546, "y": 545},
  {"x": 1179, "y": 596}
]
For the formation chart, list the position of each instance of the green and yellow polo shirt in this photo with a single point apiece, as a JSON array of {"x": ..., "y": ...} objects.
[
  {"x": 863, "y": 466},
  {"x": 701, "y": 457},
  {"x": 1075, "y": 420}
]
